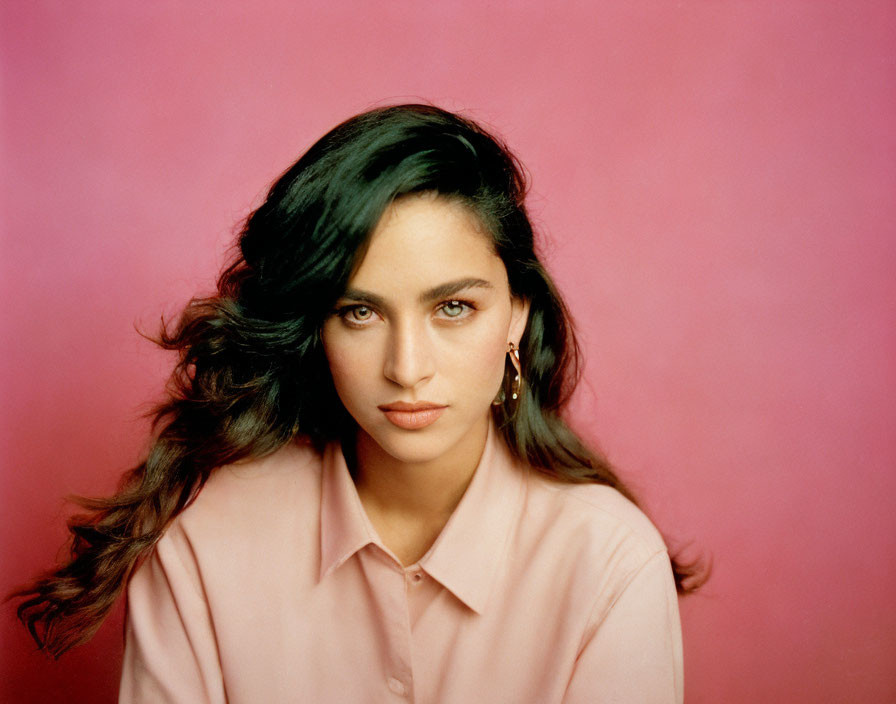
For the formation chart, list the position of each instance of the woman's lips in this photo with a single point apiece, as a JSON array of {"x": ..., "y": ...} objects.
[{"x": 409, "y": 417}]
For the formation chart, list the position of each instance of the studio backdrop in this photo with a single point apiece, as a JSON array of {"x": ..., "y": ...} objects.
[{"x": 713, "y": 183}]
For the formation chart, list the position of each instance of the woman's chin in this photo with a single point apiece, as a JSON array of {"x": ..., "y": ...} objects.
[{"x": 410, "y": 446}]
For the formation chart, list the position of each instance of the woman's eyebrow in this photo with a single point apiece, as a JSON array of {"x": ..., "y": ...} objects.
[
  {"x": 452, "y": 287},
  {"x": 441, "y": 291}
]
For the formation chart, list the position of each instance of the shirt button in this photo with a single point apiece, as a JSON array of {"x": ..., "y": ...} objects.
[
  {"x": 417, "y": 577},
  {"x": 397, "y": 686}
]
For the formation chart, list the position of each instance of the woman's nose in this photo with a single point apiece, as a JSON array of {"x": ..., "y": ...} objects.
[{"x": 410, "y": 357}]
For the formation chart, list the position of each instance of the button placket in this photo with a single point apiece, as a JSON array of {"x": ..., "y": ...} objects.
[{"x": 399, "y": 682}]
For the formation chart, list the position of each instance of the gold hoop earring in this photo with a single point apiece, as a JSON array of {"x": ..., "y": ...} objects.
[{"x": 517, "y": 387}]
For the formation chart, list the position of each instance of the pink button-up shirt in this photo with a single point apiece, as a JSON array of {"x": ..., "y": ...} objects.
[{"x": 273, "y": 586}]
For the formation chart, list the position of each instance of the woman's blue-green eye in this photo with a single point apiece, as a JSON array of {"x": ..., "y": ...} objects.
[{"x": 456, "y": 306}]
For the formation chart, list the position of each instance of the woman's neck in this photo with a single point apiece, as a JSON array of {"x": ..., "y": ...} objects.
[{"x": 409, "y": 503}]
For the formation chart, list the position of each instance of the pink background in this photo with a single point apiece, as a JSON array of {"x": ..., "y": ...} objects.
[{"x": 716, "y": 184}]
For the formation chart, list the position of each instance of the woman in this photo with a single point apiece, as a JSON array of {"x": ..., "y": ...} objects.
[{"x": 361, "y": 487}]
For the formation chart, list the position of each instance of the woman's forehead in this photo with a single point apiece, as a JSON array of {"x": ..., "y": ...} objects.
[
  {"x": 434, "y": 206},
  {"x": 425, "y": 240}
]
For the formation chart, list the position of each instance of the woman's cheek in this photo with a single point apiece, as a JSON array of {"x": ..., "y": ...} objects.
[
  {"x": 343, "y": 358},
  {"x": 484, "y": 357},
  {"x": 349, "y": 366}
]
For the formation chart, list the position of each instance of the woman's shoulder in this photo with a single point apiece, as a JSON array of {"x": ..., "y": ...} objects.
[
  {"x": 251, "y": 494},
  {"x": 588, "y": 537},
  {"x": 245, "y": 524},
  {"x": 596, "y": 517}
]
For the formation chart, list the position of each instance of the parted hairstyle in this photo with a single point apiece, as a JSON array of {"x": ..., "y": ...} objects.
[{"x": 252, "y": 374}]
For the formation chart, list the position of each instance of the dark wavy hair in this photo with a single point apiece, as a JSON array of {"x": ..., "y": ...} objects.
[{"x": 252, "y": 374}]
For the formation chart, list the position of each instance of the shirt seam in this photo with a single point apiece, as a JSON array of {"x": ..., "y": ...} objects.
[
  {"x": 590, "y": 629},
  {"x": 647, "y": 543},
  {"x": 200, "y": 594},
  {"x": 203, "y": 597}
]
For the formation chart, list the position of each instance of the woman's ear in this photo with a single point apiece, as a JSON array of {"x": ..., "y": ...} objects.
[{"x": 519, "y": 316}]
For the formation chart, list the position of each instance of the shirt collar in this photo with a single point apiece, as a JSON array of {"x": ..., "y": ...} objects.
[{"x": 467, "y": 555}]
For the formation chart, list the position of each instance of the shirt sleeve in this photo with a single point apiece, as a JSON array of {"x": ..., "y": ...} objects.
[
  {"x": 170, "y": 651},
  {"x": 634, "y": 654}
]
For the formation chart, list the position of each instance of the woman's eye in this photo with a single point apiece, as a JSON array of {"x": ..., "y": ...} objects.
[
  {"x": 356, "y": 315},
  {"x": 360, "y": 313},
  {"x": 455, "y": 309}
]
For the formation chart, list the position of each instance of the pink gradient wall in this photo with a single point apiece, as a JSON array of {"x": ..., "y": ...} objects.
[{"x": 715, "y": 181}]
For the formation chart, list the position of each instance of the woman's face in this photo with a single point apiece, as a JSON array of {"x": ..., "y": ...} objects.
[{"x": 426, "y": 318}]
